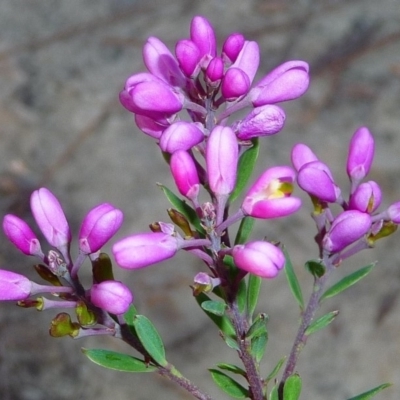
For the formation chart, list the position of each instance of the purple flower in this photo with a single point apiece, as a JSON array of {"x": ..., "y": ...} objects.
[
  {"x": 259, "y": 258},
  {"x": 366, "y": 198},
  {"x": 50, "y": 218},
  {"x": 221, "y": 159},
  {"x": 144, "y": 249},
  {"x": 235, "y": 83},
  {"x": 215, "y": 70},
  {"x": 270, "y": 195},
  {"x": 14, "y": 286},
  {"x": 181, "y": 135},
  {"x": 232, "y": 46},
  {"x": 262, "y": 121},
  {"x": 188, "y": 56},
  {"x": 302, "y": 154},
  {"x": 393, "y": 212},
  {"x": 202, "y": 34},
  {"x": 21, "y": 235},
  {"x": 346, "y": 228},
  {"x": 99, "y": 225},
  {"x": 111, "y": 296}
]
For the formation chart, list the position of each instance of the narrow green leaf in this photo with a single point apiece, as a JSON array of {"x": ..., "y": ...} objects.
[
  {"x": 253, "y": 292},
  {"x": 258, "y": 327},
  {"x": 150, "y": 339},
  {"x": 315, "y": 268},
  {"x": 241, "y": 296},
  {"x": 293, "y": 281},
  {"x": 214, "y": 307},
  {"x": 181, "y": 206},
  {"x": 244, "y": 231},
  {"x": 231, "y": 342},
  {"x": 129, "y": 316},
  {"x": 232, "y": 368},
  {"x": 274, "y": 395},
  {"x": 371, "y": 393},
  {"x": 246, "y": 164},
  {"x": 275, "y": 371},
  {"x": 292, "y": 388},
  {"x": 223, "y": 322},
  {"x": 321, "y": 323},
  {"x": 229, "y": 385},
  {"x": 117, "y": 361},
  {"x": 347, "y": 281},
  {"x": 258, "y": 346}
]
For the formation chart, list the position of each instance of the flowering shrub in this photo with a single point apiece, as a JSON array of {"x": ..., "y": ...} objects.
[{"x": 187, "y": 104}]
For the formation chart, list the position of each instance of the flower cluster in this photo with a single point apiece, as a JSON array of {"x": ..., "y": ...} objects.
[
  {"x": 56, "y": 267},
  {"x": 204, "y": 145},
  {"x": 358, "y": 225}
]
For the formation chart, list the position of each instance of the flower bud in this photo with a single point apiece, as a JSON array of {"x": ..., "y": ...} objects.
[
  {"x": 98, "y": 227},
  {"x": 248, "y": 59},
  {"x": 235, "y": 83},
  {"x": 346, "y": 228},
  {"x": 185, "y": 174},
  {"x": 142, "y": 250},
  {"x": 215, "y": 70},
  {"x": 150, "y": 126},
  {"x": 366, "y": 198},
  {"x": 361, "y": 154},
  {"x": 111, "y": 296},
  {"x": 161, "y": 63},
  {"x": 202, "y": 34},
  {"x": 316, "y": 179},
  {"x": 286, "y": 82},
  {"x": 262, "y": 121},
  {"x": 181, "y": 135},
  {"x": 20, "y": 234},
  {"x": 302, "y": 154},
  {"x": 50, "y": 217},
  {"x": 262, "y": 259},
  {"x": 14, "y": 286},
  {"x": 222, "y": 158},
  {"x": 393, "y": 212},
  {"x": 188, "y": 56},
  {"x": 232, "y": 46},
  {"x": 270, "y": 195},
  {"x": 204, "y": 283}
]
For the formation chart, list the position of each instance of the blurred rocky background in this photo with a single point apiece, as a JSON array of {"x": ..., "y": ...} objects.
[{"x": 62, "y": 64}]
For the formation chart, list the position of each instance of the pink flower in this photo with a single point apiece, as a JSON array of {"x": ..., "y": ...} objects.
[
  {"x": 235, "y": 83},
  {"x": 144, "y": 249},
  {"x": 366, "y": 198},
  {"x": 302, "y": 154},
  {"x": 181, "y": 135},
  {"x": 50, "y": 218},
  {"x": 259, "y": 258},
  {"x": 203, "y": 35},
  {"x": 270, "y": 195},
  {"x": 14, "y": 286},
  {"x": 111, "y": 296},
  {"x": 188, "y": 55},
  {"x": 21, "y": 235},
  {"x": 232, "y": 46},
  {"x": 215, "y": 70},
  {"x": 99, "y": 225},
  {"x": 150, "y": 126}
]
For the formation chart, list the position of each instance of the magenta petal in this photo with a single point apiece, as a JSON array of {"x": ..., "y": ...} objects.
[
  {"x": 202, "y": 34},
  {"x": 181, "y": 135},
  {"x": 14, "y": 287},
  {"x": 232, "y": 46},
  {"x": 302, "y": 154},
  {"x": 185, "y": 174},
  {"x": 235, "y": 83},
  {"x": 248, "y": 59},
  {"x": 188, "y": 55}
]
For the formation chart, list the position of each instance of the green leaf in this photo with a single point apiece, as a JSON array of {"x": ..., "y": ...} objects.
[
  {"x": 150, "y": 339},
  {"x": 244, "y": 231},
  {"x": 181, "y": 206},
  {"x": 275, "y": 371},
  {"x": 241, "y": 296},
  {"x": 129, "y": 316},
  {"x": 253, "y": 292},
  {"x": 315, "y": 268},
  {"x": 258, "y": 327},
  {"x": 232, "y": 368},
  {"x": 292, "y": 388},
  {"x": 321, "y": 323},
  {"x": 293, "y": 281},
  {"x": 214, "y": 307},
  {"x": 229, "y": 385},
  {"x": 246, "y": 164},
  {"x": 347, "y": 281},
  {"x": 223, "y": 322},
  {"x": 274, "y": 395},
  {"x": 117, "y": 361},
  {"x": 231, "y": 342},
  {"x": 371, "y": 393},
  {"x": 258, "y": 346}
]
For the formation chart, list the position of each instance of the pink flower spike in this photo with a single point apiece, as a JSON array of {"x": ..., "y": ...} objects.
[
  {"x": 347, "y": 228},
  {"x": 232, "y": 46},
  {"x": 235, "y": 83},
  {"x": 188, "y": 56},
  {"x": 366, "y": 198},
  {"x": 262, "y": 121},
  {"x": 316, "y": 179},
  {"x": 111, "y": 296},
  {"x": 248, "y": 59},
  {"x": 302, "y": 154},
  {"x": 161, "y": 63},
  {"x": 14, "y": 287},
  {"x": 150, "y": 126},
  {"x": 270, "y": 195},
  {"x": 262, "y": 259},
  {"x": 20, "y": 234},
  {"x": 221, "y": 159},
  {"x": 181, "y": 135},
  {"x": 202, "y": 34},
  {"x": 50, "y": 218},
  {"x": 185, "y": 174},
  {"x": 142, "y": 250},
  {"x": 288, "y": 81},
  {"x": 361, "y": 154},
  {"x": 98, "y": 227}
]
